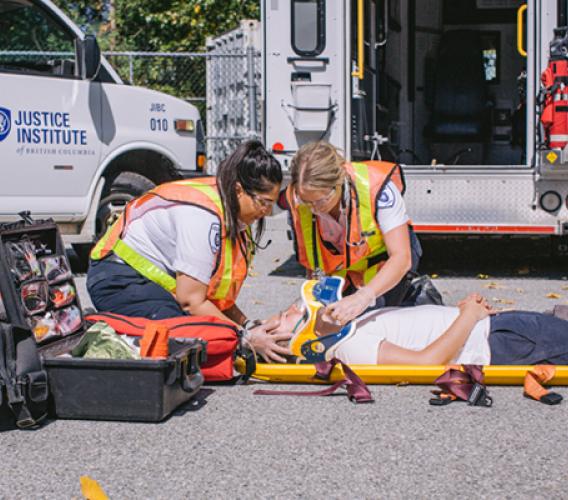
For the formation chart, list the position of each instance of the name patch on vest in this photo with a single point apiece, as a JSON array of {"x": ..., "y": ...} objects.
[
  {"x": 386, "y": 199},
  {"x": 215, "y": 237}
]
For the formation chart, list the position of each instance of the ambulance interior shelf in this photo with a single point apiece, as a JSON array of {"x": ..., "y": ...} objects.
[{"x": 47, "y": 296}]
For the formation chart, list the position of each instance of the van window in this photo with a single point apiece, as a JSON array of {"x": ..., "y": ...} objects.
[
  {"x": 33, "y": 42},
  {"x": 308, "y": 27}
]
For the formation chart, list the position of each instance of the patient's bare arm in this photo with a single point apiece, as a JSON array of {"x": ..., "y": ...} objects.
[{"x": 472, "y": 309}]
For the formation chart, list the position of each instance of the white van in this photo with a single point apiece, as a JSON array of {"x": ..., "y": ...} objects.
[{"x": 76, "y": 143}]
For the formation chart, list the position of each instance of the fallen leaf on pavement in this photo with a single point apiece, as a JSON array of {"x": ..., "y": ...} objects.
[
  {"x": 482, "y": 276},
  {"x": 276, "y": 260},
  {"x": 434, "y": 276},
  {"x": 520, "y": 290},
  {"x": 258, "y": 302},
  {"x": 553, "y": 295},
  {"x": 493, "y": 286},
  {"x": 253, "y": 274},
  {"x": 503, "y": 301},
  {"x": 91, "y": 489}
]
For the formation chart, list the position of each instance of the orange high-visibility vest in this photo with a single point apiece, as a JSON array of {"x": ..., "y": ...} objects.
[
  {"x": 364, "y": 252},
  {"x": 233, "y": 260}
]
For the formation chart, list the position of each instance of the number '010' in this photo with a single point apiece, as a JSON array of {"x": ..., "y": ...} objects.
[{"x": 158, "y": 124}]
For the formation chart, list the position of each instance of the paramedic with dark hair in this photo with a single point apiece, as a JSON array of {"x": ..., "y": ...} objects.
[
  {"x": 350, "y": 220},
  {"x": 185, "y": 247}
]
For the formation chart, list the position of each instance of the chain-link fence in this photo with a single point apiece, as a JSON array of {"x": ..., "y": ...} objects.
[
  {"x": 223, "y": 85},
  {"x": 181, "y": 74}
]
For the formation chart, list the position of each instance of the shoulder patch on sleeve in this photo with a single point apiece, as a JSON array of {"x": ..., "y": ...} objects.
[
  {"x": 387, "y": 198},
  {"x": 215, "y": 237}
]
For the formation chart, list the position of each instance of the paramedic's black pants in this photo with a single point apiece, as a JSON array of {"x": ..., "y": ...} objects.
[
  {"x": 528, "y": 338},
  {"x": 116, "y": 287}
]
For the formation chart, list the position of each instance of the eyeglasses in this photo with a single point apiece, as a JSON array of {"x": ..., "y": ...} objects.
[
  {"x": 264, "y": 203},
  {"x": 318, "y": 203}
]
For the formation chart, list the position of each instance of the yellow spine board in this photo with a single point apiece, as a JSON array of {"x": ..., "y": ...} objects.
[{"x": 395, "y": 374}]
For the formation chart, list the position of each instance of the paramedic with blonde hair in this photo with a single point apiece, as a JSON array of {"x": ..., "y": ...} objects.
[{"x": 350, "y": 220}]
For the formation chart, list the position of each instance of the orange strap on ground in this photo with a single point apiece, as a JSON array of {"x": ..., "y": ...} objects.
[
  {"x": 154, "y": 343},
  {"x": 538, "y": 375}
]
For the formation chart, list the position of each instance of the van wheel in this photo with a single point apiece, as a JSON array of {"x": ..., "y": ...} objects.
[{"x": 125, "y": 187}]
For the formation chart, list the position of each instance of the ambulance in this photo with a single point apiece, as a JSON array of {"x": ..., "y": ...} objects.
[
  {"x": 451, "y": 89},
  {"x": 76, "y": 142}
]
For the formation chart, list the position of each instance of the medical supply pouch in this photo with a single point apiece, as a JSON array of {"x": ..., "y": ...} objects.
[
  {"x": 222, "y": 337},
  {"x": 23, "y": 294},
  {"x": 37, "y": 289}
]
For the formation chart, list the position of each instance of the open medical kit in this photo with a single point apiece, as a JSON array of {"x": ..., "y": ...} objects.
[{"x": 40, "y": 303}]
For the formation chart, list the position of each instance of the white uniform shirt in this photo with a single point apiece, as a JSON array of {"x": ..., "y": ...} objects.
[
  {"x": 180, "y": 238},
  {"x": 412, "y": 328},
  {"x": 391, "y": 213}
]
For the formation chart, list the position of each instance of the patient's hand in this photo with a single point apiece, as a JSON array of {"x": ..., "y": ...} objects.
[
  {"x": 477, "y": 306},
  {"x": 348, "y": 308}
]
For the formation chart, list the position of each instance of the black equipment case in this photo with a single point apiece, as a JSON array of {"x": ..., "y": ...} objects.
[{"x": 39, "y": 300}]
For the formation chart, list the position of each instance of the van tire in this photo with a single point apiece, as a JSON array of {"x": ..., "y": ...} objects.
[{"x": 125, "y": 187}]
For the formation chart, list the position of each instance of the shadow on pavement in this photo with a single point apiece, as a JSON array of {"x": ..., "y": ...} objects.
[
  {"x": 195, "y": 403},
  {"x": 503, "y": 258},
  {"x": 289, "y": 269}
]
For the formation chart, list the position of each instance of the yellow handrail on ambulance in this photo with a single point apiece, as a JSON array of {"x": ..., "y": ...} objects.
[
  {"x": 520, "y": 41},
  {"x": 360, "y": 42}
]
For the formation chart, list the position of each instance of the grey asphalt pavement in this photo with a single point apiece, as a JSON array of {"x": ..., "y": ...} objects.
[{"x": 232, "y": 444}]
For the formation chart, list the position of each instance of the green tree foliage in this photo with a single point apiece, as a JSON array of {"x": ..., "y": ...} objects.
[{"x": 158, "y": 25}]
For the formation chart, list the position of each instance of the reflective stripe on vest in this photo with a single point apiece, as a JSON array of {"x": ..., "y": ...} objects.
[
  {"x": 145, "y": 267},
  {"x": 369, "y": 226},
  {"x": 311, "y": 238}
]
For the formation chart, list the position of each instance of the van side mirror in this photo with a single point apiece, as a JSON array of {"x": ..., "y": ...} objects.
[{"x": 89, "y": 57}]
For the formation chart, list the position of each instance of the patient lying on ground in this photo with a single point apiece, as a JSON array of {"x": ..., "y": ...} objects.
[{"x": 471, "y": 333}]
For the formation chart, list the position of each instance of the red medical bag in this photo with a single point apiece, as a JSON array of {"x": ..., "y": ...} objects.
[{"x": 223, "y": 338}]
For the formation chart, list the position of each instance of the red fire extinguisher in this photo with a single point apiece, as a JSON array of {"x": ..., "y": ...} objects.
[{"x": 554, "y": 116}]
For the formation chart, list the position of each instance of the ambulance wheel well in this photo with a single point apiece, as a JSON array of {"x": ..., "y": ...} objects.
[{"x": 150, "y": 164}]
